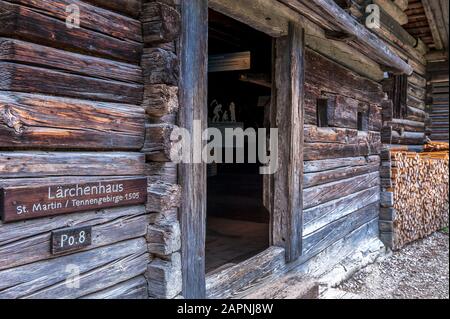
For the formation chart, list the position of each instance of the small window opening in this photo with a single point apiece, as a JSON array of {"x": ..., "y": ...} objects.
[
  {"x": 322, "y": 112},
  {"x": 363, "y": 121}
]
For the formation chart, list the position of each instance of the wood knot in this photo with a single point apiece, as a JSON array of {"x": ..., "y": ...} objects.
[{"x": 10, "y": 119}]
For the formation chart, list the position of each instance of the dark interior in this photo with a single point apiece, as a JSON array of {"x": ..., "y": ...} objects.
[{"x": 237, "y": 221}]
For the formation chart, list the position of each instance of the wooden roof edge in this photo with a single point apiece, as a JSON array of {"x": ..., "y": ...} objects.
[
  {"x": 316, "y": 17},
  {"x": 361, "y": 35}
]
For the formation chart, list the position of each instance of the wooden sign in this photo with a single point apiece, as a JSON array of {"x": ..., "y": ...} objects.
[
  {"x": 22, "y": 203},
  {"x": 71, "y": 239}
]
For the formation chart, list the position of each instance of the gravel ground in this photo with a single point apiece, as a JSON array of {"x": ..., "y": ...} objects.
[{"x": 418, "y": 271}]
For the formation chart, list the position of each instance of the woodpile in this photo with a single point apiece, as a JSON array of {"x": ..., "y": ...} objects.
[{"x": 416, "y": 203}]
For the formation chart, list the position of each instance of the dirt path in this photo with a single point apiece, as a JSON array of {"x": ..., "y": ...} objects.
[{"x": 419, "y": 271}]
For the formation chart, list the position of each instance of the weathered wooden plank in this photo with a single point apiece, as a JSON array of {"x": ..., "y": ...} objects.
[
  {"x": 164, "y": 239},
  {"x": 388, "y": 213},
  {"x": 135, "y": 288},
  {"x": 342, "y": 21},
  {"x": 326, "y": 236},
  {"x": 314, "y": 134},
  {"x": 415, "y": 102},
  {"x": 346, "y": 56},
  {"x": 37, "y": 121},
  {"x": 417, "y": 80},
  {"x": 417, "y": 92},
  {"x": 160, "y": 67},
  {"x": 193, "y": 98},
  {"x": 250, "y": 12},
  {"x": 317, "y": 151},
  {"x": 166, "y": 172},
  {"x": 160, "y": 100},
  {"x": 128, "y": 7},
  {"x": 401, "y": 125},
  {"x": 26, "y": 24},
  {"x": 330, "y": 164},
  {"x": 324, "y": 193},
  {"x": 292, "y": 286},
  {"x": 164, "y": 277},
  {"x": 331, "y": 77},
  {"x": 342, "y": 112},
  {"x": 390, "y": 136},
  {"x": 163, "y": 197},
  {"x": 439, "y": 42},
  {"x": 91, "y": 17},
  {"x": 289, "y": 73},
  {"x": 26, "y": 52},
  {"x": 324, "y": 214},
  {"x": 388, "y": 238},
  {"x": 314, "y": 179},
  {"x": 231, "y": 281},
  {"x": 29, "y": 242},
  {"x": 415, "y": 114},
  {"x": 386, "y": 226},
  {"x": 332, "y": 255},
  {"x": 30, "y": 79},
  {"x": 158, "y": 143},
  {"x": 99, "y": 268},
  {"x": 42, "y": 164},
  {"x": 160, "y": 23},
  {"x": 387, "y": 199}
]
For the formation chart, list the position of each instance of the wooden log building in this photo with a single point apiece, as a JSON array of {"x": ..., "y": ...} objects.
[{"x": 92, "y": 205}]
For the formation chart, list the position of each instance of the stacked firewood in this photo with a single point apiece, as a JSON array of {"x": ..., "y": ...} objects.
[{"x": 420, "y": 189}]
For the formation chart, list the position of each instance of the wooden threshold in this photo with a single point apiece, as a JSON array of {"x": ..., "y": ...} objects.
[{"x": 235, "y": 280}]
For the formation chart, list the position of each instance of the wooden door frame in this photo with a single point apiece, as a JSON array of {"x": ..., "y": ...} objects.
[{"x": 286, "y": 221}]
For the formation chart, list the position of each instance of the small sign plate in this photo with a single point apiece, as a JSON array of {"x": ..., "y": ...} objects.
[
  {"x": 71, "y": 239},
  {"x": 22, "y": 203}
]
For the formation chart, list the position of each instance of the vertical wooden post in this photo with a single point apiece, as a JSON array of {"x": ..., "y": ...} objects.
[
  {"x": 288, "y": 192},
  {"x": 193, "y": 106}
]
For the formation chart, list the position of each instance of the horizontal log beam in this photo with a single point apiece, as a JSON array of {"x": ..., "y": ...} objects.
[
  {"x": 133, "y": 289},
  {"x": 39, "y": 164},
  {"x": 160, "y": 23},
  {"x": 25, "y": 52},
  {"x": 160, "y": 100},
  {"x": 160, "y": 67},
  {"x": 30, "y": 79},
  {"x": 128, "y": 7},
  {"x": 163, "y": 197},
  {"x": 319, "y": 216},
  {"x": 330, "y": 164},
  {"x": 99, "y": 268},
  {"x": 31, "y": 25},
  {"x": 164, "y": 239},
  {"x": 91, "y": 17},
  {"x": 28, "y": 242},
  {"x": 314, "y": 179},
  {"x": 45, "y": 122},
  {"x": 344, "y": 22},
  {"x": 324, "y": 193}
]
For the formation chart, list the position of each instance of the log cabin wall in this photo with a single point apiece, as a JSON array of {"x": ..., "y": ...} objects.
[
  {"x": 161, "y": 22},
  {"x": 341, "y": 169},
  {"x": 73, "y": 105},
  {"x": 437, "y": 76},
  {"x": 406, "y": 122}
]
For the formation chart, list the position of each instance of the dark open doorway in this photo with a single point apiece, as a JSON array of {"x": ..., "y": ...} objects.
[{"x": 239, "y": 95}]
